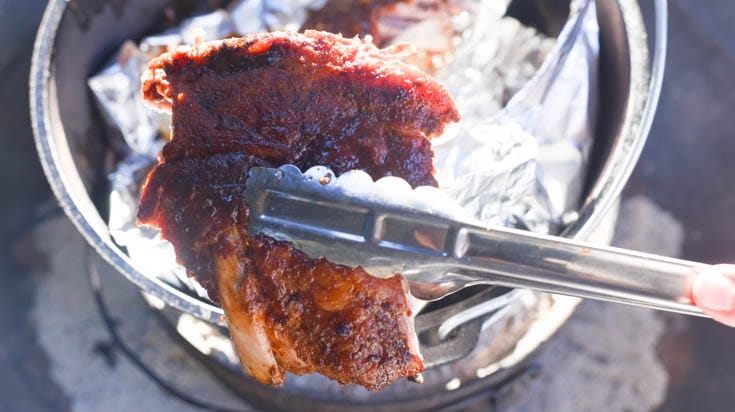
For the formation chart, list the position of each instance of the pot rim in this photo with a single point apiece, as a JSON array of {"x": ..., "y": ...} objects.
[{"x": 643, "y": 98}]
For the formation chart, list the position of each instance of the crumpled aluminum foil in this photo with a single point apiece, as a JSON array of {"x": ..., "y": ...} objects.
[
  {"x": 523, "y": 165},
  {"x": 117, "y": 90},
  {"x": 508, "y": 162}
]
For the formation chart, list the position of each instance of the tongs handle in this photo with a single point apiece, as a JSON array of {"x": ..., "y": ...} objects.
[{"x": 522, "y": 259}]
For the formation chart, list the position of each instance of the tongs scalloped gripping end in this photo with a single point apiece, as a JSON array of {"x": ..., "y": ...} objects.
[
  {"x": 355, "y": 184},
  {"x": 352, "y": 220}
]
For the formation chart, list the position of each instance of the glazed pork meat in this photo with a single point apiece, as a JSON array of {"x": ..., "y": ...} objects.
[
  {"x": 287, "y": 98},
  {"x": 374, "y": 18},
  {"x": 382, "y": 20},
  {"x": 425, "y": 24}
]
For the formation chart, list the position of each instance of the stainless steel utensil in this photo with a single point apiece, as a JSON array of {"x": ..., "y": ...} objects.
[{"x": 386, "y": 227}]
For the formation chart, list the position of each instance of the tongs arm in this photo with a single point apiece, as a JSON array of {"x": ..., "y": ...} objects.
[
  {"x": 354, "y": 221},
  {"x": 522, "y": 259}
]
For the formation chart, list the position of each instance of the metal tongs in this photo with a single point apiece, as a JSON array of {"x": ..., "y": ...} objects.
[{"x": 387, "y": 228}]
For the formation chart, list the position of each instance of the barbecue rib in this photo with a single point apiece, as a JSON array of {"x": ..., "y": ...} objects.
[
  {"x": 305, "y": 99},
  {"x": 425, "y": 24},
  {"x": 382, "y": 20}
]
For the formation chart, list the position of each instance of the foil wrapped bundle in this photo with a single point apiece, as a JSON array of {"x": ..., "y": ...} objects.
[{"x": 517, "y": 158}]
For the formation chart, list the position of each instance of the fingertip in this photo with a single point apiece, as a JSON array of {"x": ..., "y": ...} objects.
[{"x": 714, "y": 291}]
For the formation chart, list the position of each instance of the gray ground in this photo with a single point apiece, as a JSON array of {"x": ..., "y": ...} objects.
[
  {"x": 92, "y": 374},
  {"x": 54, "y": 355}
]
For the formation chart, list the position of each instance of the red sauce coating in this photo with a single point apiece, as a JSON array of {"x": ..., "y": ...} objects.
[
  {"x": 306, "y": 99},
  {"x": 341, "y": 322},
  {"x": 352, "y": 18},
  {"x": 312, "y": 99},
  {"x": 192, "y": 201}
]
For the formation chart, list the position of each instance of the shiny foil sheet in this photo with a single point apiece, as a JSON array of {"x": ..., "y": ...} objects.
[{"x": 517, "y": 158}]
